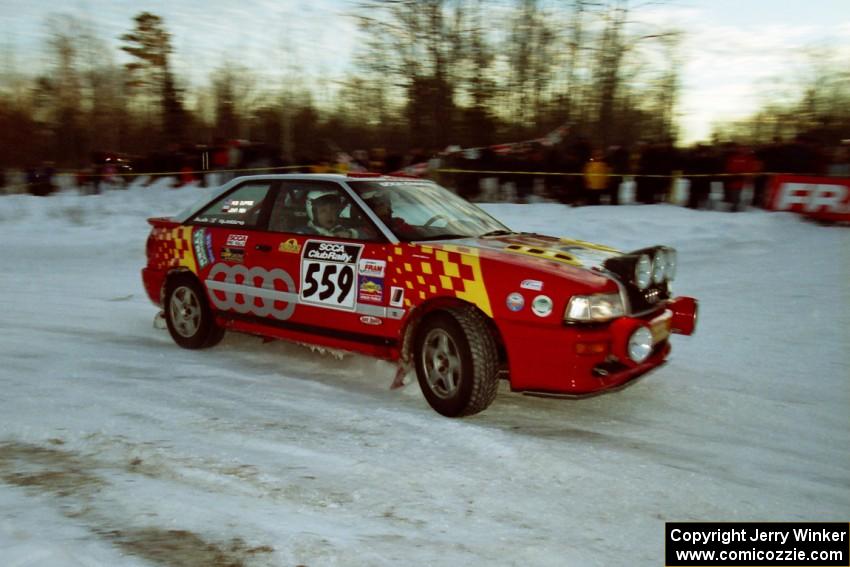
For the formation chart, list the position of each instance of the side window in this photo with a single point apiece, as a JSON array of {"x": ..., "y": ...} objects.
[
  {"x": 318, "y": 208},
  {"x": 238, "y": 208}
]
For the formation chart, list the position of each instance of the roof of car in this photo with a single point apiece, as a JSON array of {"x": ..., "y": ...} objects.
[{"x": 329, "y": 177}]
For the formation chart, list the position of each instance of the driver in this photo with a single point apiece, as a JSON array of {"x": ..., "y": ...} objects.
[
  {"x": 323, "y": 208},
  {"x": 380, "y": 203}
]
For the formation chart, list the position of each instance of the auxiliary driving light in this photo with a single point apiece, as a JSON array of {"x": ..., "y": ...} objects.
[
  {"x": 643, "y": 272},
  {"x": 640, "y": 344},
  {"x": 659, "y": 266}
]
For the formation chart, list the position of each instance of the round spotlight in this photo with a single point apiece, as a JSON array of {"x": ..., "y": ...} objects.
[
  {"x": 659, "y": 266},
  {"x": 672, "y": 263},
  {"x": 643, "y": 272},
  {"x": 640, "y": 345},
  {"x": 542, "y": 306}
]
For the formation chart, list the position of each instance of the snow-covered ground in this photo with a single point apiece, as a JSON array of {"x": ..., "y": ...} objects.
[{"x": 119, "y": 448}]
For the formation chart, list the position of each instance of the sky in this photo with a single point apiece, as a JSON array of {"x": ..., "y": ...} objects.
[{"x": 733, "y": 50}]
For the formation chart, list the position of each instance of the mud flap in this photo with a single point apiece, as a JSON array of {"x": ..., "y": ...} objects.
[
  {"x": 159, "y": 321},
  {"x": 401, "y": 373}
]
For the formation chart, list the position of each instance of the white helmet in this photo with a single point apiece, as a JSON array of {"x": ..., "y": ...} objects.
[{"x": 320, "y": 196}]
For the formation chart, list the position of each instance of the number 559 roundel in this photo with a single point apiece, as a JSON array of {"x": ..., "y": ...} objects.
[{"x": 405, "y": 270}]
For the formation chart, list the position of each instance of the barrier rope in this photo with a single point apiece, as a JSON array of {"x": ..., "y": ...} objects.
[
  {"x": 184, "y": 172},
  {"x": 674, "y": 175}
]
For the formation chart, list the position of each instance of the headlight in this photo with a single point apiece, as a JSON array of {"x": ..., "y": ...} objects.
[
  {"x": 659, "y": 266},
  {"x": 643, "y": 271},
  {"x": 599, "y": 307},
  {"x": 672, "y": 261}
]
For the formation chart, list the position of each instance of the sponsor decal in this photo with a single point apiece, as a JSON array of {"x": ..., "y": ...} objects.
[
  {"x": 515, "y": 302},
  {"x": 369, "y": 320},
  {"x": 208, "y": 242},
  {"x": 237, "y": 240},
  {"x": 533, "y": 285},
  {"x": 370, "y": 290},
  {"x": 373, "y": 268},
  {"x": 824, "y": 198},
  {"x": 396, "y": 296},
  {"x": 236, "y": 207},
  {"x": 273, "y": 297},
  {"x": 233, "y": 255},
  {"x": 291, "y": 246},
  {"x": 198, "y": 241},
  {"x": 328, "y": 272},
  {"x": 331, "y": 251},
  {"x": 235, "y": 222}
]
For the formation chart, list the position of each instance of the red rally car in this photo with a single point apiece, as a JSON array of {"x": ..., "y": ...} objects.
[{"x": 405, "y": 270}]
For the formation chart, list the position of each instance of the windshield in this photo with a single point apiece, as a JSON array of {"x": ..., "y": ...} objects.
[{"x": 422, "y": 210}]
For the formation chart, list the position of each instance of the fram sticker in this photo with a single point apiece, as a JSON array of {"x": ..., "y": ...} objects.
[
  {"x": 237, "y": 240},
  {"x": 374, "y": 268}
]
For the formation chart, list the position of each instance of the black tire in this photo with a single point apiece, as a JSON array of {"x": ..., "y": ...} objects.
[
  {"x": 188, "y": 316},
  {"x": 464, "y": 380}
]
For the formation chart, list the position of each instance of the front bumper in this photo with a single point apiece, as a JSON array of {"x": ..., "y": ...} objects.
[{"x": 584, "y": 360}]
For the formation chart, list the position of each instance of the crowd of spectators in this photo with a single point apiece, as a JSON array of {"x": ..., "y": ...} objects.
[
  {"x": 576, "y": 173},
  {"x": 571, "y": 171}
]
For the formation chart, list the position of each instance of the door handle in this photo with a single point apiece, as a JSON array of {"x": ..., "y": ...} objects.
[{"x": 263, "y": 248}]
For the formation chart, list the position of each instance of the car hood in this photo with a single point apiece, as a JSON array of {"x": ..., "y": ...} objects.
[{"x": 563, "y": 257}]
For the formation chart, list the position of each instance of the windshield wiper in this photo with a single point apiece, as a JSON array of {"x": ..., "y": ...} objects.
[{"x": 499, "y": 232}]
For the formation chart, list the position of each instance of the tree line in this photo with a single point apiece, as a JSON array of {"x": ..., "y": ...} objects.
[{"x": 425, "y": 74}]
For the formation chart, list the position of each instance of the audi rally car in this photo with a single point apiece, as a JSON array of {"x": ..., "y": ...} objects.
[{"x": 404, "y": 270}]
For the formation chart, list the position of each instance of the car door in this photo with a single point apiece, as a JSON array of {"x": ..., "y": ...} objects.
[
  {"x": 223, "y": 234},
  {"x": 324, "y": 285}
]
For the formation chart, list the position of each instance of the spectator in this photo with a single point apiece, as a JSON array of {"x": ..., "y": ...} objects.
[
  {"x": 702, "y": 164},
  {"x": 596, "y": 180},
  {"x": 840, "y": 164},
  {"x": 618, "y": 161},
  {"x": 742, "y": 164}
]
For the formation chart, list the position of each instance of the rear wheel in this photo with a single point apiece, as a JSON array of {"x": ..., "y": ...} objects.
[
  {"x": 457, "y": 362},
  {"x": 188, "y": 315}
]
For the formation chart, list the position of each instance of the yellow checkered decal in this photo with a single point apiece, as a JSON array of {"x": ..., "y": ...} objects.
[
  {"x": 554, "y": 254},
  {"x": 427, "y": 271},
  {"x": 172, "y": 248}
]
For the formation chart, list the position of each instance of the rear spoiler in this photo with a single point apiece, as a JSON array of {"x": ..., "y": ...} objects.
[{"x": 163, "y": 222}]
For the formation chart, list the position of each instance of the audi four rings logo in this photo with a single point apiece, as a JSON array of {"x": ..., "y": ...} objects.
[{"x": 261, "y": 290}]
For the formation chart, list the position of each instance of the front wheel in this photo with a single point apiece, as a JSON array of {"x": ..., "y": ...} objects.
[
  {"x": 457, "y": 362},
  {"x": 188, "y": 315}
]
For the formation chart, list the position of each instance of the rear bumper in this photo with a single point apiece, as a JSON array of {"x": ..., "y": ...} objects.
[
  {"x": 153, "y": 280},
  {"x": 585, "y": 360}
]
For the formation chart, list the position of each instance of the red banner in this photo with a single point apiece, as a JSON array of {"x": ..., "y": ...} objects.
[{"x": 821, "y": 198}]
